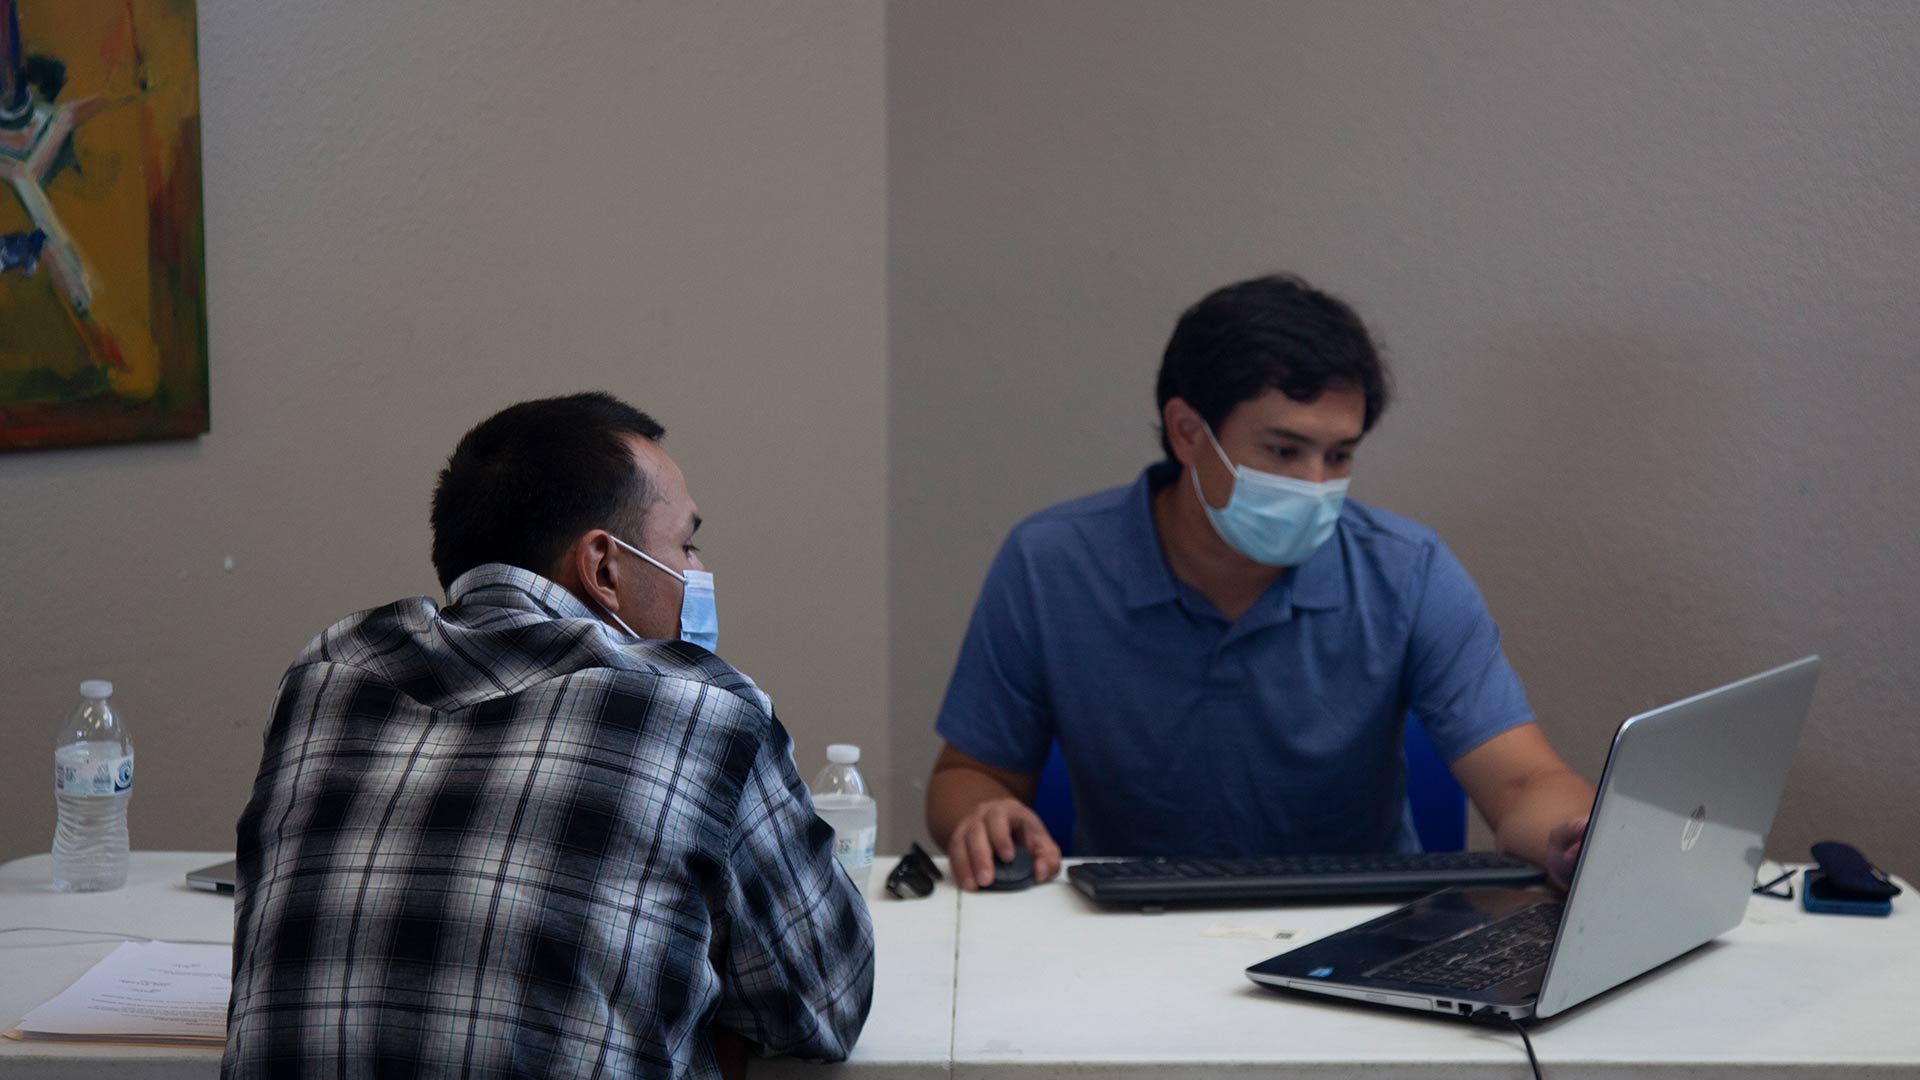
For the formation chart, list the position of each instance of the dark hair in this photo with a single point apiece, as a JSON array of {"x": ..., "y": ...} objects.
[
  {"x": 1275, "y": 332},
  {"x": 528, "y": 480}
]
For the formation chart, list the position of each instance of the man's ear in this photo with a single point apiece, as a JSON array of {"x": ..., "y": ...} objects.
[
  {"x": 595, "y": 571},
  {"x": 1186, "y": 431}
]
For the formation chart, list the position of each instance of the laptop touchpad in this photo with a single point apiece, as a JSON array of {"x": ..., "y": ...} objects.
[{"x": 1429, "y": 923}]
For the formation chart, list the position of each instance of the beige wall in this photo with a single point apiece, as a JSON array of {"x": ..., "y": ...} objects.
[
  {"x": 418, "y": 213},
  {"x": 1647, "y": 273}
]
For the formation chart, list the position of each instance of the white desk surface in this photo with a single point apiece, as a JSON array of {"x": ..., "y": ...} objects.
[
  {"x": 1052, "y": 985},
  {"x": 1044, "y": 984},
  {"x": 908, "y": 1033},
  {"x": 35, "y": 965}
]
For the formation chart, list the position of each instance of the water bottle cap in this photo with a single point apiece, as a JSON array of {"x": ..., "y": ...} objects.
[
  {"x": 843, "y": 753},
  {"x": 96, "y": 689}
]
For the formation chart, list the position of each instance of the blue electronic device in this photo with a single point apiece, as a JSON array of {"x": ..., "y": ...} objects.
[{"x": 1817, "y": 896}]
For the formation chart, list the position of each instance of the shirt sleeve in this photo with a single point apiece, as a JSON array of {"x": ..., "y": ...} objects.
[
  {"x": 1459, "y": 682},
  {"x": 996, "y": 709},
  {"x": 796, "y": 959}
]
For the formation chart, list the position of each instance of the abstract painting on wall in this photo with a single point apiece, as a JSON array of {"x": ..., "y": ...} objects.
[{"x": 103, "y": 301}]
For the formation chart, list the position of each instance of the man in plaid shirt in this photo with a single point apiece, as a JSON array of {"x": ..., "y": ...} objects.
[{"x": 509, "y": 837}]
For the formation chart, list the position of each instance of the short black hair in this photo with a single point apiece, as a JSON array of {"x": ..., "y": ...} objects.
[
  {"x": 523, "y": 485},
  {"x": 1269, "y": 333}
]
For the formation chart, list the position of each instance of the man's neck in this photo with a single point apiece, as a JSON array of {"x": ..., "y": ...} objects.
[{"x": 1196, "y": 554}]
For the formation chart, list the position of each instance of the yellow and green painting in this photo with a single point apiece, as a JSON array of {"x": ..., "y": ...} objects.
[{"x": 103, "y": 303}]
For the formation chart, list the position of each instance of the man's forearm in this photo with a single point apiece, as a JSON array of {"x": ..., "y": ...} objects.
[
  {"x": 1547, "y": 800},
  {"x": 953, "y": 793}
]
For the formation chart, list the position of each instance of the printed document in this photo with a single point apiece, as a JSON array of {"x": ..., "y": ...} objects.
[{"x": 143, "y": 992}]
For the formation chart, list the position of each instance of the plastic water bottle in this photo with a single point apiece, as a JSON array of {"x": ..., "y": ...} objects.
[
  {"x": 840, "y": 798},
  {"x": 92, "y": 781}
]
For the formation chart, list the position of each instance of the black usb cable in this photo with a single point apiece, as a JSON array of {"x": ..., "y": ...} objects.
[{"x": 1488, "y": 1013}]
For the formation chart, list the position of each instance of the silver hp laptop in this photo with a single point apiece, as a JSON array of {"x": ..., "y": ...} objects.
[
  {"x": 1677, "y": 833},
  {"x": 215, "y": 878}
]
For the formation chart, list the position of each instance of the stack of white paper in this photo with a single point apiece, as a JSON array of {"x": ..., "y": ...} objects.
[{"x": 144, "y": 992}]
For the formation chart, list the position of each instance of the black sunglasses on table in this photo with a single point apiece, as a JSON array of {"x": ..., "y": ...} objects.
[{"x": 914, "y": 877}]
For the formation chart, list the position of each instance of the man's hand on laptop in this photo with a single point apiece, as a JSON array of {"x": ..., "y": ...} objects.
[
  {"x": 1563, "y": 850},
  {"x": 991, "y": 829}
]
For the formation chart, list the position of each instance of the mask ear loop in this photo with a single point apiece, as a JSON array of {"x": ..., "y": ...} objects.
[
  {"x": 1224, "y": 459},
  {"x": 1193, "y": 472},
  {"x": 617, "y": 620},
  {"x": 675, "y": 574}
]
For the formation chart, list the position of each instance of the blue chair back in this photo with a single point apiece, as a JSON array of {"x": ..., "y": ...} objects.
[
  {"x": 1053, "y": 801},
  {"x": 1439, "y": 803}
]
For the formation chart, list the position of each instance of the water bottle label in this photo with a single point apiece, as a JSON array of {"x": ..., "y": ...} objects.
[
  {"x": 855, "y": 849},
  {"x": 109, "y": 776}
]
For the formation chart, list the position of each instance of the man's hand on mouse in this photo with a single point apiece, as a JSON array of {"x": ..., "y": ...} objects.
[{"x": 991, "y": 830}]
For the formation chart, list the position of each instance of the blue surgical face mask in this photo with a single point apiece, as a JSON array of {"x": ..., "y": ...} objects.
[
  {"x": 1275, "y": 520},
  {"x": 699, "y": 618}
]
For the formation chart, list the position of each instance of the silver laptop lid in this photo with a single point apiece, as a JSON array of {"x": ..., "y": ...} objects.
[
  {"x": 216, "y": 878},
  {"x": 1679, "y": 828}
]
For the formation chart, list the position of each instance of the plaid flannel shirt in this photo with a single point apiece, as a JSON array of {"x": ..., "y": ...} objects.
[{"x": 495, "y": 839}]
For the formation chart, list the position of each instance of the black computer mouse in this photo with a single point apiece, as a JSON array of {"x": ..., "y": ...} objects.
[{"x": 1012, "y": 875}]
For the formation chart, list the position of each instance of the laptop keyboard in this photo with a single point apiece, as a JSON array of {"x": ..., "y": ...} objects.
[{"x": 1492, "y": 954}]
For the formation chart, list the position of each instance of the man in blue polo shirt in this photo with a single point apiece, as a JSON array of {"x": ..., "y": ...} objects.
[{"x": 1226, "y": 648}]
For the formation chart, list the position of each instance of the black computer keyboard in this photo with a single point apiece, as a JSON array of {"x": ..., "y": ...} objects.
[
  {"x": 1290, "y": 877},
  {"x": 1492, "y": 954}
]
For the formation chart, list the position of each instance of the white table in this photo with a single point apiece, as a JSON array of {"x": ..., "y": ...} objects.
[
  {"x": 36, "y": 965},
  {"x": 908, "y": 1033},
  {"x": 1052, "y": 986},
  {"x": 1044, "y": 984}
]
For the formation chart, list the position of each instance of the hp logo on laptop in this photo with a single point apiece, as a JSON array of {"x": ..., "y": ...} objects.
[
  {"x": 1319, "y": 973},
  {"x": 1696, "y": 824}
]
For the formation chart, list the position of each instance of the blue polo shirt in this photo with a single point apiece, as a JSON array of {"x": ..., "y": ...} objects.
[{"x": 1186, "y": 734}]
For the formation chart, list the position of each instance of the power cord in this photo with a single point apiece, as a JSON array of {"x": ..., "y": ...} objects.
[
  {"x": 1489, "y": 1013},
  {"x": 106, "y": 933}
]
